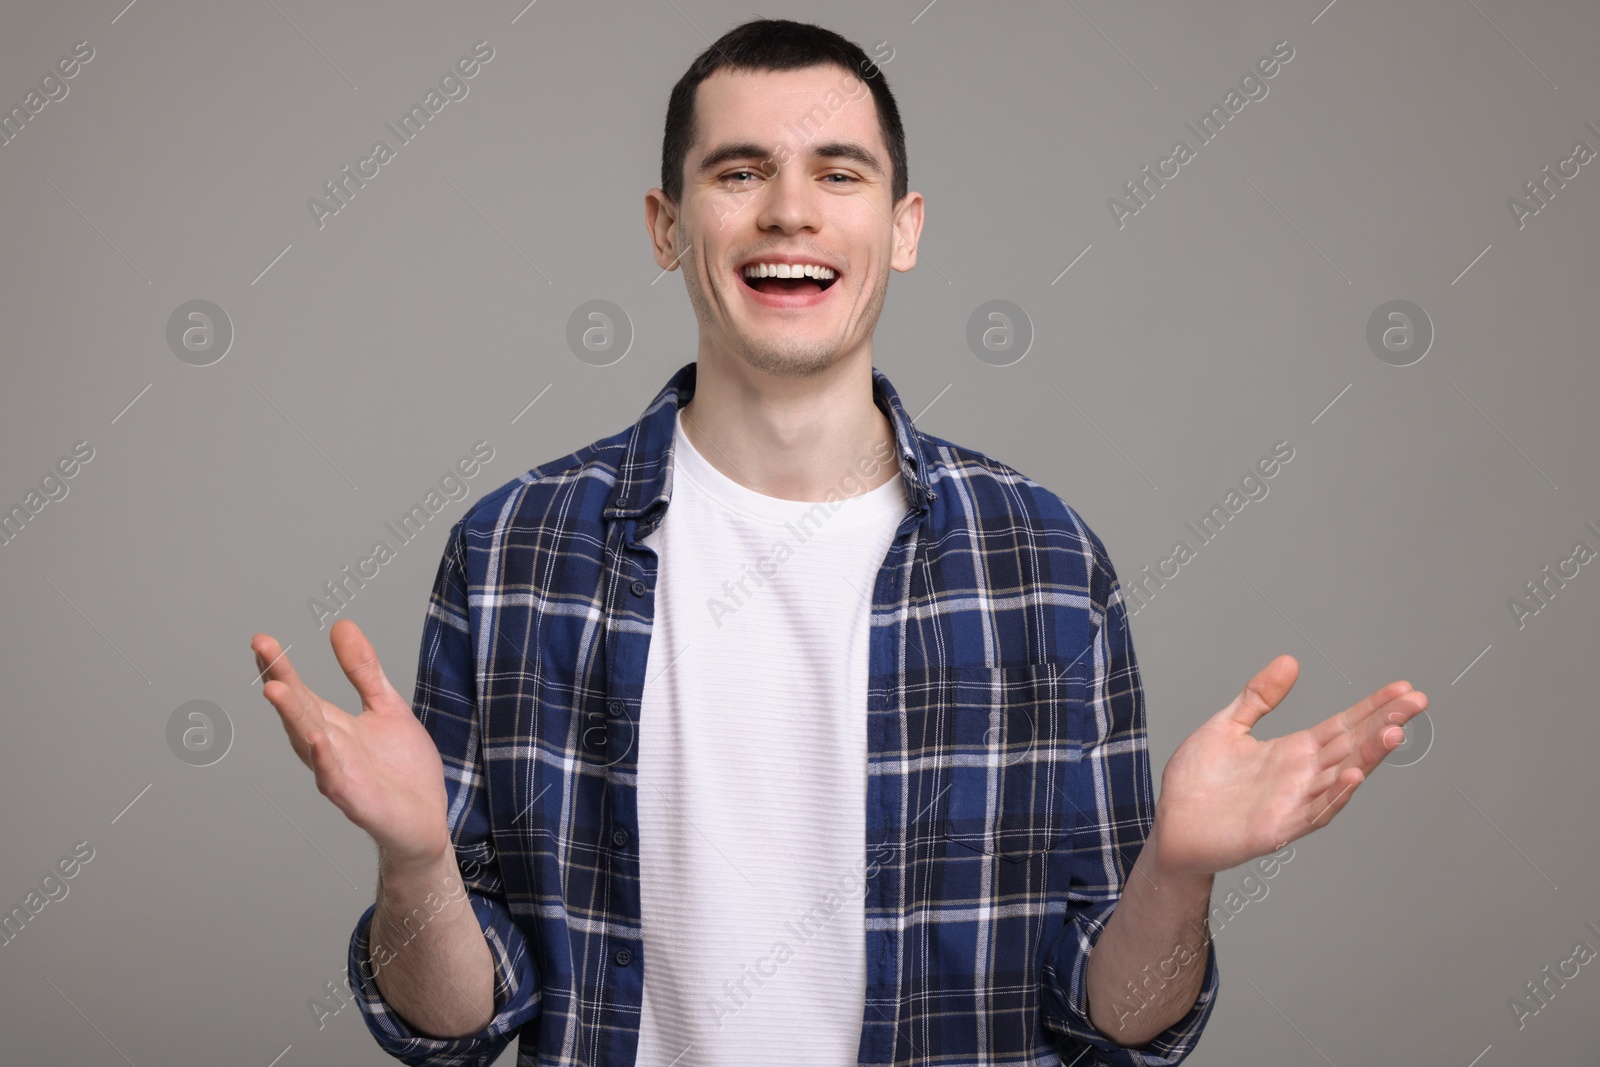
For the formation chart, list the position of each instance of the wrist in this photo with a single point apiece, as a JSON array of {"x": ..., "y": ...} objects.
[
  {"x": 1163, "y": 872},
  {"x": 402, "y": 891},
  {"x": 414, "y": 868}
]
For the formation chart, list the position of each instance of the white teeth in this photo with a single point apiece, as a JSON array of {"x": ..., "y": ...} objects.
[{"x": 786, "y": 270}]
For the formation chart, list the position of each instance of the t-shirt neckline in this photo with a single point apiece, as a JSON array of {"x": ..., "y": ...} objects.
[{"x": 888, "y": 498}]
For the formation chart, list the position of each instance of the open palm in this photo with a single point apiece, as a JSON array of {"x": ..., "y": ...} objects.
[
  {"x": 1228, "y": 797},
  {"x": 381, "y": 767}
]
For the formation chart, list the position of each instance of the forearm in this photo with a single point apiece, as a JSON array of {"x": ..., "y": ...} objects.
[
  {"x": 1149, "y": 963},
  {"x": 428, "y": 954}
]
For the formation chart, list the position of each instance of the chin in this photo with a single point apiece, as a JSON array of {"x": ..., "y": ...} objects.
[{"x": 789, "y": 362}]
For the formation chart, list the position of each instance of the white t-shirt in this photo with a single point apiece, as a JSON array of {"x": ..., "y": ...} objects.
[{"x": 752, "y": 772}]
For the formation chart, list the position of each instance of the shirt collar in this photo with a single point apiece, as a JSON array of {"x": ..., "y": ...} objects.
[{"x": 644, "y": 479}]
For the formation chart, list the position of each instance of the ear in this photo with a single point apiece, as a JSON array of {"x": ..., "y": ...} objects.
[
  {"x": 907, "y": 230},
  {"x": 661, "y": 221}
]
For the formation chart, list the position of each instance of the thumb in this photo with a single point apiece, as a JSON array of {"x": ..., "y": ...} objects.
[
  {"x": 1263, "y": 692},
  {"x": 359, "y": 660}
]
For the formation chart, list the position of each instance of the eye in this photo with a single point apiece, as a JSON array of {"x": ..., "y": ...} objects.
[
  {"x": 731, "y": 176},
  {"x": 846, "y": 177}
]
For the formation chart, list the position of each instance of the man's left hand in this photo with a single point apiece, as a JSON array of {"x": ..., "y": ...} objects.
[{"x": 1228, "y": 797}]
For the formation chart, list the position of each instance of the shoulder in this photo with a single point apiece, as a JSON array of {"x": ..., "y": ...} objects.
[
  {"x": 1007, "y": 506},
  {"x": 570, "y": 492}
]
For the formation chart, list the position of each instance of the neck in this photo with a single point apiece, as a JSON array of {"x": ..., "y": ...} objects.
[{"x": 792, "y": 438}]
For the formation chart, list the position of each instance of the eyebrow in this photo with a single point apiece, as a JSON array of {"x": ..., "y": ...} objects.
[{"x": 850, "y": 150}]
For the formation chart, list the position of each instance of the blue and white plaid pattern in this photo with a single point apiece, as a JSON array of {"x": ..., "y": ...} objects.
[{"x": 1008, "y": 793}]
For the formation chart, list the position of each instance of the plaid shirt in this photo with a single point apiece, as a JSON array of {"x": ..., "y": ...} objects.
[{"x": 1008, "y": 779}]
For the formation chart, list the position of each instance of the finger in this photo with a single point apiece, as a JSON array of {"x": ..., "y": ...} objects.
[
  {"x": 1388, "y": 733},
  {"x": 300, "y": 709},
  {"x": 1366, "y": 744},
  {"x": 1383, "y": 734},
  {"x": 1263, "y": 692},
  {"x": 278, "y": 665},
  {"x": 1350, "y": 719},
  {"x": 268, "y": 654},
  {"x": 360, "y": 662},
  {"x": 296, "y": 724},
  {"x": 327, "y": 764},
  {"x": 1328, "y": 804}
]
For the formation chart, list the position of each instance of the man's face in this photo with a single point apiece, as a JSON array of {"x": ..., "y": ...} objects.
[{"x": 787, "y": 167}]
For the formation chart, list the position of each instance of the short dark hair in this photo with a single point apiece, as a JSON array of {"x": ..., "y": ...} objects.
[{"x": 776, "y": 44}]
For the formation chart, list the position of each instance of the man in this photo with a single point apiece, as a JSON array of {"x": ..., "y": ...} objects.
[{"x": 839, "y": 758}]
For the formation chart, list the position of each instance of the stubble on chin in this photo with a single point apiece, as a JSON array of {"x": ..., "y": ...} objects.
[{"x": 789, "y": 361}]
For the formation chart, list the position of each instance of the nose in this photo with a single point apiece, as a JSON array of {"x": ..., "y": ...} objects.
[{"x": 788, "y": 201}]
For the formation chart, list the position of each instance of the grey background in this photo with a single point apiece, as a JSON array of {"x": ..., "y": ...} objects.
[{"x": 1229, "y": 314}]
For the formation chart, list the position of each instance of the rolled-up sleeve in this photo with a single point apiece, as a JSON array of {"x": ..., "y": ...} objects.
[
  {"x": 446, "y": 703},
  {"x": 1114, "y": 808},
  {"x": 1067, "y": 1002},
  {"x": 516, "y": 996}
]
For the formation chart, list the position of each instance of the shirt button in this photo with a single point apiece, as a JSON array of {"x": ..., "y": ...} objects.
[
  {"x": 623, "y": 957},
  {"x": 619, "y": 837},
  {"x": 638, "y": 587},
  {"x": 615, "y": 708}
]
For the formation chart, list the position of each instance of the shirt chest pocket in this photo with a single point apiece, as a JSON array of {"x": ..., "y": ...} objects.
[{"x": 1011, "y": 744}]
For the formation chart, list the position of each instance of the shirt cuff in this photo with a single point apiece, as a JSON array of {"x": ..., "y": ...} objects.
[
  {"x": 516, "y": 995},
  {"x": 1066, "y": 999}
]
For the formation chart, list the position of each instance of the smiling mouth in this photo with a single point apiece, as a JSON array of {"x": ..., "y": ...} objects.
[
  {"x": 788, "y": 285},
  {"x": 777, "y": 286}
]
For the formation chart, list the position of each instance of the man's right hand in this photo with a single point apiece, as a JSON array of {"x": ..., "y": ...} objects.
[{"x": 381, "y": 767}]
